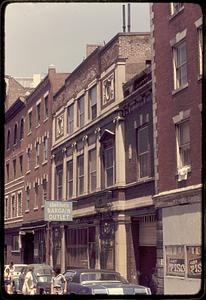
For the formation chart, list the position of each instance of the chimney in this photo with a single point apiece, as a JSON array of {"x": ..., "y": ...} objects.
[
  {"x": 51, "y": 70},
  {"x": 128, "y": 24},
  {"x": 123, "y": 15}
]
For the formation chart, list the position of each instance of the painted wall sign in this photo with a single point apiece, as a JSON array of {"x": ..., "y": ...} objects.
[{"x": 58, "y": 211}]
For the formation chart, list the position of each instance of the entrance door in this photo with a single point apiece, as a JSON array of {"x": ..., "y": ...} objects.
[
  {"x": 147, "y": 263},
  {"x": 28, "y": 243}
]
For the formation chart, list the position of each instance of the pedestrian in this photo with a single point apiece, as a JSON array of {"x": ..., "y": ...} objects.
[
  {"x": 8, "y": 278},
  {"x": 153, "y": 282},
  {"x": 29, "y": 287},
  {"x": 59, "y": 283}
]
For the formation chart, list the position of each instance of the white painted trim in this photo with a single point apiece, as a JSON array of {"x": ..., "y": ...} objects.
[{"x": 184, "y": 189}]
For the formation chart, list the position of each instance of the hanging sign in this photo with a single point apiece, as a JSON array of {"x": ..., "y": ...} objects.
[{"x": 58, "y": 211}]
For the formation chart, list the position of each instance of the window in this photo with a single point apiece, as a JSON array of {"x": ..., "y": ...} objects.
[
  {"x": 15, "y": 243},
  {"x": 29, "y": 159},
  {"x": 59, "y": 182},
  {"x": 38, "y": 116},
  {"x": 45, "y": 150},
  {"x": 27, "y": 198},
  {"x": 176, "y": 7},
  {"x": 81, "y": 112},
  {"x": 21, "y": 164},
  {"x": 180, "y": 65},
  {"x": 80, "y": 166},
  {"x": 14, "y": 167},
  {"x": 6, "y": 206},
  {"x": 200, "y": 48},
  {"x": 183, "y": 144},
  {"x": 7, "y": 171},
  {"x": 46, "y": 110},
  {"x": 92, "y": 170},
  {"x": 36, "y": 198},
  {"x": 13, "y": 207},
  {"x": 109, "y": 166},
  {"x": 8, "y": 140},
  {"x": 37, "y": 153},
  {"x": 22, "y": 129},
  {"x": 15, "y": 134},
  {"x": 19, "y": 203},
  {"x": 29, "y": 121},
  {"x": 69, "y": 179},
  {"x": 93, "y": 102},
  {"x": 44, "y": 191},
  {"x": 143, "y": 151},
  {"x": 70, "y": 119}
]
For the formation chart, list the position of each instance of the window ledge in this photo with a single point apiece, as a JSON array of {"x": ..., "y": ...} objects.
[
  {"x": 42, "y": 206},
  {"x": 35, "y": 208},
  {"x": 38, "y": 125},
  {"x": 199, "y": 77},
  {"x": 28, "y": 172},
  {"x": 15, "y": 251},
  {"x": 44, "y": 162},
  {"x": 36, "y": 167},
  {"x": 29, "y": 133},
  {"x": 171, "y": 17},
  {"x": 26, "y": 211},
  {"x": 45, "y": 119},
  {"x": 174, "y": 92}
]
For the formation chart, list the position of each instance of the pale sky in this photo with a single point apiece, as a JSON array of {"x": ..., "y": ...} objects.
[{"x": 40, "y": 34}]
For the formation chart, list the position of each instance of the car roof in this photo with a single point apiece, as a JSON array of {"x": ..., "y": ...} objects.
[{"x": 90, "y": 270}]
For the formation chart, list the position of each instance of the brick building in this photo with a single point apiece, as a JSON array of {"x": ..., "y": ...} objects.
[
  {"x": 177, "y": 104},
  {"x": 27, "y": 171},
  {"x": 99, "y": 114}
]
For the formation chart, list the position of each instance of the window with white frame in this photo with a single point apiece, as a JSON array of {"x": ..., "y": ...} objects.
[
  {"x": 92, "y": 170},
  {"x": 81, "y": 111},
  {"x": 109, "y": 166},
  {"x": 80, "y": 172},
  {"x": 28, "y": 159},
  {"x": 6, "y": 206},
  {"x": 36, "y": 198},
  {"x": 15, "y": 134},
  {"x": 27, "y": 198},
  {"x": 70, "y": 179},
  {"x": 22, "y": 129},
  {"x": 21, "y": 164},
  {"x": 180, "y": 65},
  {"x": 70, "y": 119},
  {"x": 59, "y": 182},
  {"x": 200, "y": 48},
  {"x": 8, "y": 139},
  {"x": 15, "y": 242},
  {"x": 45, "y": 148},
  {"x": 38, "y": 113},
  {"x": 37, "y": 153},
  {"x": 45, "y": 185},
  {"x": 183, "y": 144},
  {"x": 14, "y": 168},
  {"x": 13, "y": 206},
  {"x": 19, "y": 204},
  {"x": 143, "y": 151},
  {"x": 92, "y": 102},
  {"x": 175, "y": 7},
  {"x": 29, "y": 121},
  {"x": 46, "y": 110}
]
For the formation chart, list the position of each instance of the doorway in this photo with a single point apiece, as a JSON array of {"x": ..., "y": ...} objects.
[{"x": 28, "y": 246}]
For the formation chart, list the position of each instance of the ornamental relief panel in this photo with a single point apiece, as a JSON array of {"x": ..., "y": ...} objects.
[
  {"x": 59, "y": 126},
  {"x": 108, "y": 91}
]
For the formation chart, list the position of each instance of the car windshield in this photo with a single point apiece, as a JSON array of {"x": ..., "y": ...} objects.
[
  {"x": 102, "y": 276},
  {"x": 18, "y": 268},
  {"x": 42, "y": 271}
]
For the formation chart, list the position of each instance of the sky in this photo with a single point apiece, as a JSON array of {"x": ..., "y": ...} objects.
[{"x": 40, "y": 34}]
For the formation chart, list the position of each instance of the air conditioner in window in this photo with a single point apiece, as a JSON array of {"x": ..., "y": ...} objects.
[{"x": 183, "y": 173}]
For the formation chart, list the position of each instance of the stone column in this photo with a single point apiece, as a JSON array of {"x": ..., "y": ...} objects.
[
  {"x": 97, "y": 239},
  {"x": 120, "y": 244},
  {"x": 119, "y": 150},
  {"x": 98, "y": 159}
]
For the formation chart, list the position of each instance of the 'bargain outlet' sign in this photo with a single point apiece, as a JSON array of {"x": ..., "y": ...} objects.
[{"x": 58, "y": 211}]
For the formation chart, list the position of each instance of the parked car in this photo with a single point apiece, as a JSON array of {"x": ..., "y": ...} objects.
[
  {"x": 16, "y": 273},
  {"x": 93, "y": 282},
  {"x": 42, "y": 277}
]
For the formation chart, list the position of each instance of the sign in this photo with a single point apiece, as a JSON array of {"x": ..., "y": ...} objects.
[
  {"x": 58, "y": 211},
  {"x": 194, "y": 261}
]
